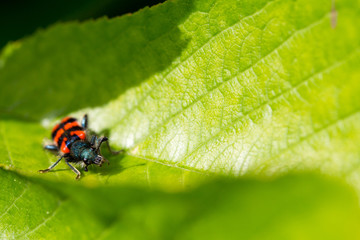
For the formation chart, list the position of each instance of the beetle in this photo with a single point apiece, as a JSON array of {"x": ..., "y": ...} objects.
[{"x": 71, "y": 141}]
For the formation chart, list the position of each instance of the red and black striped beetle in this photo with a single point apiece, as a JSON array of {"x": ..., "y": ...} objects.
[{"x": 71, "y": 140}]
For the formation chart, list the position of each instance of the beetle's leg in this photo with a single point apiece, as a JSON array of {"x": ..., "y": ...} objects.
[
  {"x": 84, "y": 121},
  {"x": 105, "y": 139},
  {"x": 111, "y": 151},
  {"x": 99, "y": 141},
  {"x": 52, "y": 166},
  {"x": 51, "y": 147},
  {"x": 73, "y": 169},
  {"x": 93, "y": 140}
]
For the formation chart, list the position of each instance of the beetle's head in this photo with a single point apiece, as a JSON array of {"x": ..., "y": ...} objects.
[{"x": 91, "y": 156}]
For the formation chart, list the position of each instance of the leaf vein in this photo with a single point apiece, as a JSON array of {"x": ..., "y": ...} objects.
[
  {"x": 219, "y": 85},
  {"x": 137, "y": 105},
  {"x": 314, "y": 133},
  {"x": 15, "y": 200},
  {"x": 329, "y": 68},
  {"x": 44, "y": 221}
]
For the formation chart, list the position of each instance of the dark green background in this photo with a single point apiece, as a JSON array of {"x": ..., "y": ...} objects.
[{"x": 21, "y": 18}]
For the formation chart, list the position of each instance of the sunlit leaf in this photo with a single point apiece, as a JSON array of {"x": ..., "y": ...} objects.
[{"x": 191, "y": 90}]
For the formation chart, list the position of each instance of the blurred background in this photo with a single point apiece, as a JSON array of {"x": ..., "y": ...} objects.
[{"x": 20, "y": 18}]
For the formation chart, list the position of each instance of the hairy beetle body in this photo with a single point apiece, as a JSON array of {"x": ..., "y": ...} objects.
[{"x": 71, "y": 140}]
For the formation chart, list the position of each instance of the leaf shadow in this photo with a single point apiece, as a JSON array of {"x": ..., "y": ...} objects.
[
  {"x": 87, "y": 64},
  {"x": 114, "y": 167}
]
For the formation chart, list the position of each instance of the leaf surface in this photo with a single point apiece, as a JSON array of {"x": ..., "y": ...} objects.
[
  {"x": 190, "y": 89},
  {"x": 224, "y": 86},
  {"x": 225, "y": 209},
  {"x": 28, "y": 211},
  {"x": 262, "y": 91}
]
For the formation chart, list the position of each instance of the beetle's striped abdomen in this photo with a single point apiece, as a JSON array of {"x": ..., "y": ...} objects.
[{"x": 67, "y": 132}]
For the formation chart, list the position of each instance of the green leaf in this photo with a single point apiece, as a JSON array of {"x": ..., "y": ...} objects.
[
  {"x": 312, "y": 208},
  {"x": 21, "y": 150},
  {"x": 224, "y": 86},
  {"x": 193, "y": 89},
  {"x": 80, "y": 65},
  {"x": 28, "y": 211},
  {"x": 272, "y": 89}
]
